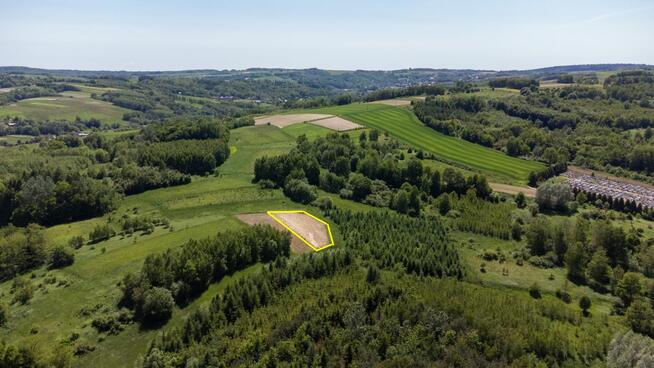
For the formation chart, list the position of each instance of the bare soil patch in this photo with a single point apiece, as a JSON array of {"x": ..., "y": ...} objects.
[
  {"x": 286, "y": 120},
  {"x": 513, "y": 189},
  {"x": 297, "y": 245},
  {"x": 307, "y": 227},
  {"x": 336, "y": 123},
  {"x": 394, "y": 102}
]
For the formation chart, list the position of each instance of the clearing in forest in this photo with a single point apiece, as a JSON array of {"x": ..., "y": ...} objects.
[
  {"x": 313, "y": 231},
  {"x": 307, "y": 229},
  {"x": 324, "y": 120}
]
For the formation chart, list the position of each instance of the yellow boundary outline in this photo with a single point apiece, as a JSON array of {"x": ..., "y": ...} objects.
[{"x": 329, "y": 230}]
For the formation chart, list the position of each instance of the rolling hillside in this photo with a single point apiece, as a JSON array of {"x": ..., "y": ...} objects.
[{"x": 404, "y": 125}]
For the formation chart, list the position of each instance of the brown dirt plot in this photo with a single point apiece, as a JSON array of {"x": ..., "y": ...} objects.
[
  {"x": 336, "y": 123},
  {"x": 307, "y": 227},
  {"x": 286, "y": 120},
  {"x": 297, "y": 245}
]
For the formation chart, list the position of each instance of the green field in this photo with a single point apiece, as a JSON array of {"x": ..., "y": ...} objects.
[
  {"x": 66, "y": 106},
  {"x": 405, "y": 126}
]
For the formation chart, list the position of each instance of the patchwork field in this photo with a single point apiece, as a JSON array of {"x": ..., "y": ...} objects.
[
  {"x": 67, "y": 106},
  {"x": 405, "y": 126},
  {"x": 282, "y": 121},
  {"x": 326, "y": 121}
]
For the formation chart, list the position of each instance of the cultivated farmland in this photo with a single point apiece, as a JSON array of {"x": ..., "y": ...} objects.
[
  {"x": 326, "y": 121},
  {"x": 403, "y": 125}
]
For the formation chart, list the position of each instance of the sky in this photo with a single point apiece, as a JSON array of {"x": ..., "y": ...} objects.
[{"x": 328, "y": 34}]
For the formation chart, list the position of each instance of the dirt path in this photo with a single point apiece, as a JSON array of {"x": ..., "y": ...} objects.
[
  {"x": 394, "y": 102},
  {"x": 513, "y": 189}
]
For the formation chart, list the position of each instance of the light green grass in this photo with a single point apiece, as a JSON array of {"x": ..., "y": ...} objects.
[
  {"x": 405, "y": 126},
  {"x": 13, "y": 140},
  {"x": 67, "y": 106}
]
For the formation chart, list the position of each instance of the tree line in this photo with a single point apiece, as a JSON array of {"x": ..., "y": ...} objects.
[
  {"x": 369, "y": 172},
  {"x": 178, "y": 276}
]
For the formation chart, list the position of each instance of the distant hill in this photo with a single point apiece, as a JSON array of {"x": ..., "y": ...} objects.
[{"x": 334, "y": 80}]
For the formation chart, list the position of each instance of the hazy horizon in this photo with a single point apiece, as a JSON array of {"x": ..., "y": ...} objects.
[{"x": 382, "y": 35}]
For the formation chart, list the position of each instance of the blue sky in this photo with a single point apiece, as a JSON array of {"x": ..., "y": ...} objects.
[{"x": 334, "y": 34}]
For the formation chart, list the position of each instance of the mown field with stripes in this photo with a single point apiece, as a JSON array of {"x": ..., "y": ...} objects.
[{"x": 404, "y": 125}]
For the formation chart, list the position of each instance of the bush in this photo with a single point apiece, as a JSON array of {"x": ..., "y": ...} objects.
[
  {"x": 107, "y": 323},
  {"x": 76, "y": 242},
  {"x": 267, "y": 184},
  {"x": 61, "y": 256},
  {"x": 534, "y": 291},
  {"x": 3, "y": 315},
  {"x": 101, "y": 233},
  {"x": 300, "y": 191},
  {"x": 584, "y": 304},
  {"x": 158, "y": 305},
  {"x": 564, "y": 296},
  {"x": 22, "y": 290}
]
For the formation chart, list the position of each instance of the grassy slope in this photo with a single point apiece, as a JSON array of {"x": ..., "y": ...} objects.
[
  {"x": 196, "y": 210},
  {"x": 404, "y": 125},
  {"x": 67, "y": 106}
]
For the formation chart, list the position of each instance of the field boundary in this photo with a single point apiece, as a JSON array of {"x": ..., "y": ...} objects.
[{"x": 317, "y": 249}]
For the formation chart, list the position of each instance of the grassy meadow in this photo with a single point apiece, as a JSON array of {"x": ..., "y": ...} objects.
[
  {"x": 405, "y": 126},
  {"x": 66, "y": 106}
]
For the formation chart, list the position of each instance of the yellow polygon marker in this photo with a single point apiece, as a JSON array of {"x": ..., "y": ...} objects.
[{"x": 329, "y": 230}]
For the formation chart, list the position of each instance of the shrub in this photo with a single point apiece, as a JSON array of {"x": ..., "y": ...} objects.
[
  {"x": 61, "y": 256},
  {"x": 22, "y": 290},
  {"x": 158, "y": 305},
  {"x": 101, "y": 233},
  {"x": 584, "y": 304},
  {"x": 300, "y": 191},
  {"x": 534, "y": 291},
  {"x": 107, "y": 323},
  {"x": 76, "y": 242},
  {"x": 3, "y": 315},
  {"x": 564, "y": 296}
]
